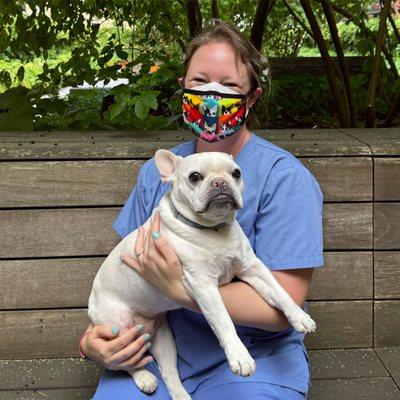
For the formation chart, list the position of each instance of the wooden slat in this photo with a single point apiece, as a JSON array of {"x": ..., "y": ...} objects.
[
  {"x": 101, "y": 182},
  {"x": 54, "y": 394},
  {"x": 63, "y": 283},
  {"x": 347, "y": 226},
  {"x": 390, "y": 357},
  {"x": 58, "y": 232},
  {"x": 386, "y": 225},
  {"x": 88, "y": 231},
  {"x": 41, "y": 334},
  {"x": 382, "y": 141},
  {"x": 47, "y": 283},
  {"x": 66, "y": 183},
  {"x": 354, "y": 389},
  {"x": 342, "y": 178},
  {"x": 387, "y": 178},
  {"x": 341, "y": 324},
  {"x": 387, "y": 274},
  {"x": 48, "y": 373},
  {"x": 56, "y": 333},
  {"x": 346, "y": 363},
  {"x": 386, "y": 323},
  {"x": 78, "y": 145},
  {"x": 345, "y": 275}
]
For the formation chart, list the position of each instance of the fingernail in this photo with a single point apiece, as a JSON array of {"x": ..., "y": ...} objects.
[
  {"x": 147, "y": 345},
  {"x": 155, "y": 235},
  {"x": 115, "y": 330},
  {"x": 147, "y": 337},
  {"x": 139, "y": 327},
  {"x": 121, "y": 257}
]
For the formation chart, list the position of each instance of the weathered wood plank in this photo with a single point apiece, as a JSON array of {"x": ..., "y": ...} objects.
[
  {"x": 88, "y": 231},
  {"x": 345, "y": 275},
  {"x": 67, "y": 282},
  {"x": 387, "y": 178},
  {"x": 342, "y": 178},
  {"x": 341, "y": 324},
  {"x": 390, "y": 357},
  {"x": 387, "y": 274},
  {"x": 47, "y": 283},
  {"x": 386, "y": 226},
  {"x": 48, "y": 373},
  {"x": 346, "y": 363},
  {"x": 354, "y": 389},
  {"x": 78, "y": 145},
  {"x": 41, "y": 334},
  {"x": 386, "y": 323},
  {"x": 347, "y": 226},
  {"x": 56, "y": 333},
  {"x": 66, "y": 183},
  {"x": 53, "y": 394},
  {"x": 58, "y": 232},
  {"x": 382, "y": 141},
  {"x": 109, "y": 182}
]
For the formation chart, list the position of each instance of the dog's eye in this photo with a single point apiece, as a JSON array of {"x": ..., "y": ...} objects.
[
  {"x": 236, "y": 173},
  {"x": 195, "y": 176}
]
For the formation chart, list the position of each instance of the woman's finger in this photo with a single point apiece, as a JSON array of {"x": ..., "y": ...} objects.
[
  {"x": 139, "y": 244},
  {"x": 165, "y": 249},
  {"x": 135, "y": 358},
  {"x": 144, "y": 361},
  {"x": 131, "y": 262}
]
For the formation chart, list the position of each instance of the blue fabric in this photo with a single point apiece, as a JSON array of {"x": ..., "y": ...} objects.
[{"x": 282, "y": 217}]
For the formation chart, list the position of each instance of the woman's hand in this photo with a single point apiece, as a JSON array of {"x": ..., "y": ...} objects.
[
  {"x": 157, "y": 261},
  {"x": 123, "y": 352}
]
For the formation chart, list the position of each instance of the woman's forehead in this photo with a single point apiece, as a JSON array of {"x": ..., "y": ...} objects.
[{"x": 217, "y": 59}]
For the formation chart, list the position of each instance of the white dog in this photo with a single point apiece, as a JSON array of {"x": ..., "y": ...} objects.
[{"x": 198, "y": 220}]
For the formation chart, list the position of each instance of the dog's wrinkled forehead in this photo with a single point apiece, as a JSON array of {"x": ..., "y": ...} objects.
[{"x": 207, "y": 162}]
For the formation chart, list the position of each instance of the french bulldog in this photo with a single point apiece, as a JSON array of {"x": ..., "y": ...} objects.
[{"x": 198, "y": 220}]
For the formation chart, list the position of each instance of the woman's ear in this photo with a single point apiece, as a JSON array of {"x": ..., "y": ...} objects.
[
  {"x": 181, "y": 82},
  {"x": 254, "y": 97}
]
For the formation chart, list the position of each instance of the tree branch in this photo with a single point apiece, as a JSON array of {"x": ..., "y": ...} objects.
[
  {"x": 264, "y": 7},
  {"x": 334, "y": 84},
  {"x": 370, "y": 111},
  {"x": 328, "y": 11},
  {"x": 214, "y": 9},
  {"x": 298, "y": 19}
]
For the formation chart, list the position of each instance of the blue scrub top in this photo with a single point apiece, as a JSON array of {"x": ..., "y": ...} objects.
[{"x": 282, "y": 217}]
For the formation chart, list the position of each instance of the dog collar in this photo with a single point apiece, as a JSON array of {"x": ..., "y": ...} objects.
[{"x": 189, "y": 222}]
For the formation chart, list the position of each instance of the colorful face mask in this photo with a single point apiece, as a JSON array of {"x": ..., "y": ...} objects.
[{"x": 213, "y": 111}]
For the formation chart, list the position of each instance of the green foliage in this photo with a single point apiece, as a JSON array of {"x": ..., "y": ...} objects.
[{"x": 51, "y": 44}]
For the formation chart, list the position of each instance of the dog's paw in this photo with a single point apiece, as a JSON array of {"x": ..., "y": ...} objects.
[
  {"x": 240, "y": 360},
  {"x": 145, "y": 381},
  {"x": 301, "y": 321}
]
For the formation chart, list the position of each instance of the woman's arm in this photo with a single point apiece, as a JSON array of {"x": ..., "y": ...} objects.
[{"x": 246, "y": 307}]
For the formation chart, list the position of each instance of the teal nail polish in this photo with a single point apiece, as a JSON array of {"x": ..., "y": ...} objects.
[
  {"x": 139, "y": 327},
  {"x": 155, "y": 235},
  {"x": 115, "y": 330},
  {"x": 147, "y": 345},
  {"x": 147, "y": 337}
]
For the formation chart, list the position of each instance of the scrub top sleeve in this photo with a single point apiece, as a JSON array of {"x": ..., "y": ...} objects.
[
  {"x": 288, "y": 227},
  {"x": 133, "y": 213}
]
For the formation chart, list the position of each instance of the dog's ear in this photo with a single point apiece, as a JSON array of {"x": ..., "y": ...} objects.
[{"x": 167, "y": 163}]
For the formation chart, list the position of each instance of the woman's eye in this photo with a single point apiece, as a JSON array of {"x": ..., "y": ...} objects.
[{"x": 195, "y": 176}]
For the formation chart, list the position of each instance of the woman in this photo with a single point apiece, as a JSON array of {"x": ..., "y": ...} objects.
[{"x": 282, "y": 217}]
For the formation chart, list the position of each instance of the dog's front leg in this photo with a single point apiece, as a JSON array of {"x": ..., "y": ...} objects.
[
  {"x": 205, "y": 292},
  {"x": 257, "y": 275}
]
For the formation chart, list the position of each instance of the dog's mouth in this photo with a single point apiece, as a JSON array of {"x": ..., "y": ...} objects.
[{"x": 222, "y": 200}]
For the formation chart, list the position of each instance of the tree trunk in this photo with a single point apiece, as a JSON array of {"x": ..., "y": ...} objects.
[
  {"x": 264, "y": 7},
  {"x": 370, "y": 110},
  {"x": 334, "y": 84}
]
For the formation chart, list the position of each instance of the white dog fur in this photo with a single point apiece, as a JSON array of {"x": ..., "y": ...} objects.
[{"x": 210, "y": 258}]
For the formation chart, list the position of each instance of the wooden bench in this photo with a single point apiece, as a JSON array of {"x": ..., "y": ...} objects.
[{"x": 61, "y": 191}]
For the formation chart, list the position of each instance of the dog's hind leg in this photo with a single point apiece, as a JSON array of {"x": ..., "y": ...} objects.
[{"x": 165, "y": 353}]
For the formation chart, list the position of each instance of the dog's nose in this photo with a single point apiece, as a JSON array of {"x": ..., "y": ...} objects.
[{"x": 218, "y": 182}]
